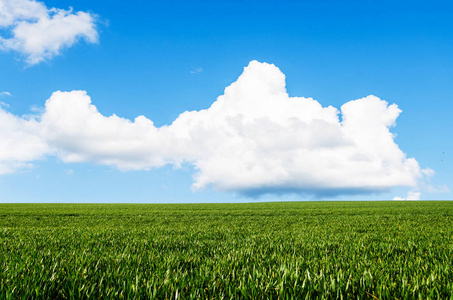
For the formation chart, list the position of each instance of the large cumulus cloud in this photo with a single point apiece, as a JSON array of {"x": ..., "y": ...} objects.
[{"x": 253, "y": 139}]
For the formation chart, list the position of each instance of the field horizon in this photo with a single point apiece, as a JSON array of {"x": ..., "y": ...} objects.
[{"x": 228, "y": 202}]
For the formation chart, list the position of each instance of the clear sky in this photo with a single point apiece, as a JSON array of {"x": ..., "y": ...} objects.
[{"x": 159, "y": 59}]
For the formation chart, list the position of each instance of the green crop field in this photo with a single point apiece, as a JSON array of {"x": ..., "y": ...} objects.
[{"x": 291, "y": 250}]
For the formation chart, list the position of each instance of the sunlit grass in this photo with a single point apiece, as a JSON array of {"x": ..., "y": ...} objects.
[{"x": 309, "y": 250}]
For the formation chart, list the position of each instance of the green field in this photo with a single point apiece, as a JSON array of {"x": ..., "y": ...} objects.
[{"x": 355, "y": 250}]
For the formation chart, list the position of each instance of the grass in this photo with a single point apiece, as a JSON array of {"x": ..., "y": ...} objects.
[{"x": 295, "y": 250}]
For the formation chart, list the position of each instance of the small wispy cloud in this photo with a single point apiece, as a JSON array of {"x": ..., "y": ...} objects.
[
  {"x": 37, "y": 109},
  {"x": 39, "y": 33},
  {"x": 196, "y": 71},
  {"x": 3, "y": 95}
]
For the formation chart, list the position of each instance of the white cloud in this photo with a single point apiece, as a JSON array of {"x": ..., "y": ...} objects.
[
  {"x": 411, "y": 195},
  {"x": 254, "y": 139},
  {"x": 3, "y": 95},
  {"x": 196, "y": 70},
  {"x": 40, "y": 33},
  {"x": 78, "y": 132},
  {"x": 14, "y": 10},
  {"x": 20, "y": 142}
]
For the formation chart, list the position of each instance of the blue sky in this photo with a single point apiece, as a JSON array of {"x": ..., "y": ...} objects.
[{"x": 162, "y": 58}]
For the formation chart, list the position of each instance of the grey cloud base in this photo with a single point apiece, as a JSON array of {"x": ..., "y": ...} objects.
[{"x": 254, "y": 139}]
